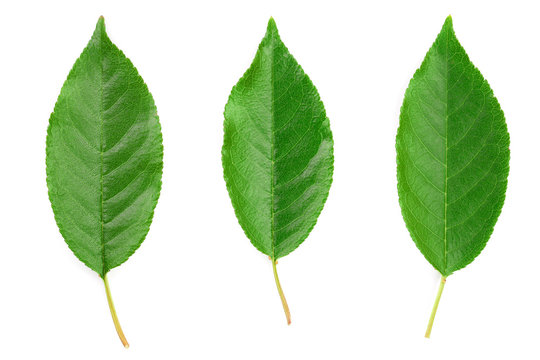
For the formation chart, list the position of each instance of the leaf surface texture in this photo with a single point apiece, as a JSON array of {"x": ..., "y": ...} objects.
[
  {"x": 452, "y": 155},
  {"x": 104, "y": 156},
  {"x": 278, "y": 150}
]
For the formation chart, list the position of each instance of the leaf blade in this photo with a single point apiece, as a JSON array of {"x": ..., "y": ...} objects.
[
  {"x": 453, "y": 156},
  {"x": 104, "y": 156},
  {"x": 277, "y": 153}
]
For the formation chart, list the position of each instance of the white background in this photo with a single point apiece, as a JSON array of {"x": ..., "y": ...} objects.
[{"x": 197, "y": 289}]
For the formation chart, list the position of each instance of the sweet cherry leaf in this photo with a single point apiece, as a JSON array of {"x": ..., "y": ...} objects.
[
  {"x": 104, "y": 157},
  {"x": 277, "y": 151},
  {"x": 452, "y": 157}
]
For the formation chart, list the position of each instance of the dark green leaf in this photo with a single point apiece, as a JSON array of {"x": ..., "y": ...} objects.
[
  {"x": 452, "y": 155},
  {"x": 277, "y": 152},
  {"x": 104, "y": 158}
]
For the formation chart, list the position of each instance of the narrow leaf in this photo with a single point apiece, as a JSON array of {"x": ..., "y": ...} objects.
[
  {"x": 104, "y": 158},
  {"x": 453, "y": 158},
  {"x": 277, "y": 151}
]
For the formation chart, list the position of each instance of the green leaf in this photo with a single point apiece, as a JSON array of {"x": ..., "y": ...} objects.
[
  {"x": 452, "y": 155},
  {"x": 277, "y": 151},
  {"x": 104, "y": 157}
]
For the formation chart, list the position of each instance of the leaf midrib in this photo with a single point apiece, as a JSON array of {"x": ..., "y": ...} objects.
[
  {"x": 101, "y": 152},
  {"x": 446, "y": 157},
  {"x": 272, "y": 159}
]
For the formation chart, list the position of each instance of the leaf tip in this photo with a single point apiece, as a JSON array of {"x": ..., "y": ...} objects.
[
  {"x": 448, "y": 22},
  {"x": 99, "y": 32},
  {"x": 272, "y": 27},
  {"x": 100, "y": 26}
]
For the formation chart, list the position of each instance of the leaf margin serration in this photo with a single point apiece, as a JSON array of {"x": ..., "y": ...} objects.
[
  {"x": 159, "y": 138},
  {"x": 419, "y": 71},
  {"x": 318, "y": 211}
]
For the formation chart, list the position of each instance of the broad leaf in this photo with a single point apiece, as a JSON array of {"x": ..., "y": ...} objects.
[
  {"x": 104, "y": 157},
  {"x": 277, "y": 150},
  {"x": 452, "y": 155}
]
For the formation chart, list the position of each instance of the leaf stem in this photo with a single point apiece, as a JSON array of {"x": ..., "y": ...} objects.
[
  {"x": 281, "y": 295},
  {"x": 435, "y": 306},
  {"x": 113, "y": 313}
]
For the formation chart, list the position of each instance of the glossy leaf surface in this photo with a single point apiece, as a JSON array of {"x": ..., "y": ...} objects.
[
  {"x": 278, "y": 150},
  {"x": 104, "y": 156},
  {"x": 453, "y": 156}
]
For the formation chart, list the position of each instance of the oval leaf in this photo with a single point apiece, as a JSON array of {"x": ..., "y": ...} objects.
[
  {"x": 277, "y": 151},
  {"x": 104, "y": 156},
  {"x": 104, "y": 159},
  {"x": 452, "y": 155}
]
